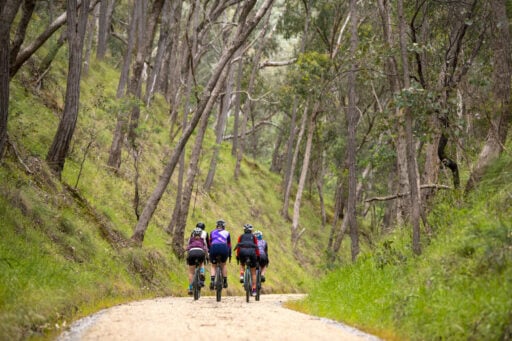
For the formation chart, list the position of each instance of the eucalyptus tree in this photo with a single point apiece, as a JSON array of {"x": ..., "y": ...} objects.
[
  {"x": 248, "y": 19},
  {"x": 501, "y": 117},
  {"x": 8, "y": 10},
  {"x": 77, "y": 21}
]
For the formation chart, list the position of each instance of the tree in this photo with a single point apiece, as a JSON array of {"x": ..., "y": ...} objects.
[
  {"x": 500, "y": 121},
  {"x": 8, "y": 10},
  {"x": 211, "y": 91},
  {"x": 412, "y": 167},
  {"x": 351, "y": 135},
  {"x": 77, "y": 22}
]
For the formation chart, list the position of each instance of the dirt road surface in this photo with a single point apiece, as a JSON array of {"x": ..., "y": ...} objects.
[{"x": 182, "y": 318}]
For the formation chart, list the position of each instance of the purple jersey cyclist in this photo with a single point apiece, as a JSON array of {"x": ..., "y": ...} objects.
[{"x": 220, "y": 246}]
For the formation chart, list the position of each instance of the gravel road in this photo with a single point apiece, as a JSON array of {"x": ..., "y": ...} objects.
[{"x": 182, "y": 318}]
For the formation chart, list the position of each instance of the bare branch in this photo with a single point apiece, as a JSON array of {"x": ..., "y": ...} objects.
[{"x": 400, "y": 195}]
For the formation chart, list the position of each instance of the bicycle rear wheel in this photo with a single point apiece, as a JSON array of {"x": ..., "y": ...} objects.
[
  {"x": 196, "y": 284},
  {"x": 258, "y": 283},
  {"x": 218, "y": 283},
  {"x": 247, "y": 283}
]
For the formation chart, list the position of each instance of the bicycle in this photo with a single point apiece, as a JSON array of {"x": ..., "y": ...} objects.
[
  {"x": 219, "y": 281},
  {"x": 248, "y": 281},
  {"x": 196, "y": 281}
]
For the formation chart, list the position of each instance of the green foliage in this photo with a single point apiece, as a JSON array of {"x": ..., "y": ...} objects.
[{"x": 458, "y": 289}]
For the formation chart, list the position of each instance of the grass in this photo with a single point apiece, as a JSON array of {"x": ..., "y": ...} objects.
[{"x": 460, "y": 288}]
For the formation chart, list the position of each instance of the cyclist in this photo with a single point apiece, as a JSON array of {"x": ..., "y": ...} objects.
[
  {"x": 247, "y": 246},
  {"x": 204, "y": 234},
  {"x": 196, "y": 250},
  {"x": 263, "y": 248},
  {"x": 220, "y": 245}
]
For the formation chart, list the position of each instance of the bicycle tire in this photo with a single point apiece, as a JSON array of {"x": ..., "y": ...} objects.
[
  {"x": 196, "y": 284},
  {"x": 218, "y": 283},
  {"x": 258, "y": 283},
  {"x": 247, "y": 282}
]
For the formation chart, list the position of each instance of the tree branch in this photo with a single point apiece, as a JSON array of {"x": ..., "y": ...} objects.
[{"x": 400, "y": 195}]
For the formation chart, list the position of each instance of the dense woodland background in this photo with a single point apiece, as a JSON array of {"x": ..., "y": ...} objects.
[{"x": 319, "y": 120}]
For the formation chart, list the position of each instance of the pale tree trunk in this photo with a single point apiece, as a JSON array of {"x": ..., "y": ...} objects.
[
  {"x": 145, "y": 38},
  {"x": 105, "y": 18},
  {"x": 295, "y": 232},
  {"x": 224, "y": 105},
  {"x": 182, "y": 70},
  {"x": 236, "y": 110},
  {"x": 412, "y": 167},
  {"x": 88, "y": 44},
  {"x": 77, "y": 21},
  {"x": 293, "y": 164},
  {"x": 249, "y": 104},
  {"x": 8, "y": 12},
  {"x": 163, "y": 41},
  {"x": 401, "y": 206},
  {"x": 502, "y": 117},
  {"x": 352, "y": 116},
  {"x": 114, "y": 159},
  {"x": 289, "y": 151},
  {"x": 209, "y": 94}
]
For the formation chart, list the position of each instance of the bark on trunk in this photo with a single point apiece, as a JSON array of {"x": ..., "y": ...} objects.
[
  {"x": 295, "y": 233},
  {"x": 77, "y": 21},
  {"x": 7, "y": 14},
  {"x": 351, "y": 136}
]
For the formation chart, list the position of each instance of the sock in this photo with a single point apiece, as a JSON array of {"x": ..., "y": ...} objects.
[{"x": 212, "y": 278}]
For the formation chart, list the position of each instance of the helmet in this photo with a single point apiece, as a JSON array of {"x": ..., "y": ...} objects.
[
  {"x": 221, "y": 223},
  {"x": 258, "y": 235},
  {"x": 200, "y": 225},
  {"x": 197, "y": 232},
  {"x": 247, "y": 228}
]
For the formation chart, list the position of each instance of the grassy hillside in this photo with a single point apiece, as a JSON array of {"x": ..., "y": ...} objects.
[
  {"x": 64, "y": 249},
  {"x": 459, "y": 289}
]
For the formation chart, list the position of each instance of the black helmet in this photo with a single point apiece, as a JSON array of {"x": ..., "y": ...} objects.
[
  {"x": 221, "y": 223},
  {"x": 197, "y": 232},
  {"x": 200, "y": 225},
  {"x": 247, "y": 228}
]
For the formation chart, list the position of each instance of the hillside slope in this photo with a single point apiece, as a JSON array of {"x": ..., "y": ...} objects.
[{"x": 64, "y": 245}]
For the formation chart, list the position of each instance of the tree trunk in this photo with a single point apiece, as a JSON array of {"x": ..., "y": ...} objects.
[
  {"x": 236, "y": 113},
  {"x": 179, "y": 231},
  {"x": 295, "y": 233},
  {"x": 163, "y": 43},
  {"x": 28, "y": 51},
  {"x": 26, "y": 13},
  {"x": 249, "y": 104},
  {"x": 351, "y": 136},
  {"x": 88, "y": 44},
  {"x": 104, "y": 21},
  {"x": 77, "y": 21},
  {"x": 502, "y": 118},
  {"x": 114, "y": 158},
  {"x": 204, "y": 105},
  {"x": 8, "y": 12},
  {"x": 412, "y": 167},
  {"x": 287, "y": 193}
]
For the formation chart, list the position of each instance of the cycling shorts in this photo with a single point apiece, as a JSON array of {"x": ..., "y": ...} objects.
[
  {"x": 247, "y": 252},
  {"x": 195, "y": 254},
  {"x": 221, "y": 250},
  {"x": 263, "y": 260}
]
